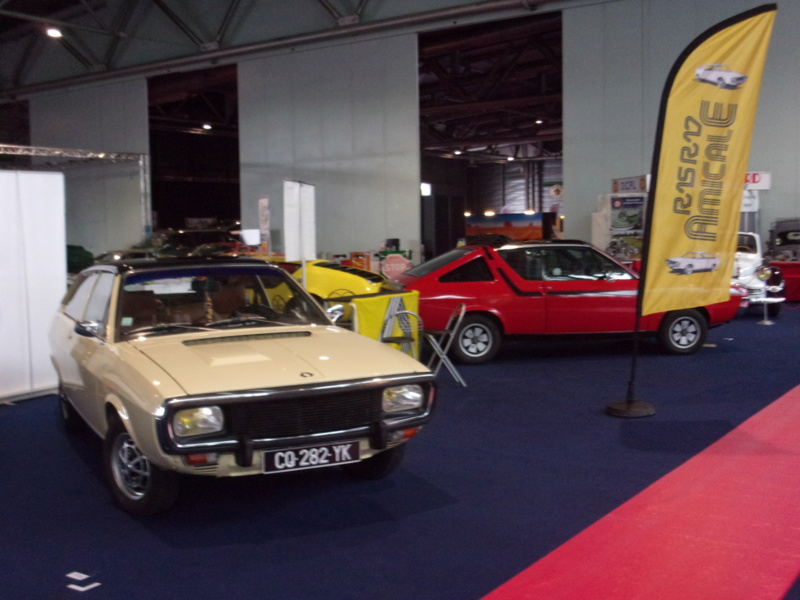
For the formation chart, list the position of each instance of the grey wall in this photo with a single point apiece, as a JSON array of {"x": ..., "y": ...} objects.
[
  {"x": 105, "y": 207},
  {"x": 343, "y": 118},
  {"x": 617, "y": 56}
]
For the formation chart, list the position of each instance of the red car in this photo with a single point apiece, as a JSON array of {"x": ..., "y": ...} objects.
[{"x": 547, "y": 288}]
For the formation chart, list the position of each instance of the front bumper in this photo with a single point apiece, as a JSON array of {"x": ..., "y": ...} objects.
[{"x": 250, "y": 417}]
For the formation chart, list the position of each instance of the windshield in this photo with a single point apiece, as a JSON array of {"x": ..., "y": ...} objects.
[
  {"x": 437, "y": 263},
  {"x": 172, "y": 300}
]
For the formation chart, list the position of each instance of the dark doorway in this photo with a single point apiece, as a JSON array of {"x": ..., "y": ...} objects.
[{"x": 194, "y": 148}]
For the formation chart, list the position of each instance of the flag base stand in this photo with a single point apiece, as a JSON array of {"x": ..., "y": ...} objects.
[{"x": 630, "y": 409}]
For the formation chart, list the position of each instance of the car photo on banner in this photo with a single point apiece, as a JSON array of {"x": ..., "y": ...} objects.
[
  {"x": 692, "y": 262},
  {"x": 720, "y": 75},
  {"x": 548, "y": 288}
]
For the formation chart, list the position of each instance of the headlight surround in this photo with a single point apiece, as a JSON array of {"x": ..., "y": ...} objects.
[
  {"x": 402, "y": 398},
  {"x": 201, "y": 420}
]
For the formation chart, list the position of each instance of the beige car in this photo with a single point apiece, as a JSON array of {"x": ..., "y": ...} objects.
[{"x": 225, "y": 367}]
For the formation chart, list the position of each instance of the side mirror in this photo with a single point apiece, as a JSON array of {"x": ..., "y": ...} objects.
[
  {"x": 87, "y": 328},
  {"x": 335, "y": 312}
]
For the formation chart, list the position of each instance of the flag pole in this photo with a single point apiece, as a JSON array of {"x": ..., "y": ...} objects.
[{"x": 630, "y": 407}]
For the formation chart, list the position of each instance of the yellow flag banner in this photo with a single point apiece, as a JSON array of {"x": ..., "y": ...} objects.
[{"x": 702, "y": 147}]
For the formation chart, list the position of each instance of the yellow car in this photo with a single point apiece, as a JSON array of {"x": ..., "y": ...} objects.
[{"x": 327, "y": 280}]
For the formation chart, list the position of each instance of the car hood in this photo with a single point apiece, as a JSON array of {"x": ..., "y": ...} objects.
[{"x": 266, "y": 357}]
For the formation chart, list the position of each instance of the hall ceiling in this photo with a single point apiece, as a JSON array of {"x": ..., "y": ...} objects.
[{"x": 487, "y": 91}]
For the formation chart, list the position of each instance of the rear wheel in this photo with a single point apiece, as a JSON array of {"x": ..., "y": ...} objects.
[
  {"x": 138, "y": 486},
  {"x": 683, "y": 331},
  {"x": 477, "y": 340}
]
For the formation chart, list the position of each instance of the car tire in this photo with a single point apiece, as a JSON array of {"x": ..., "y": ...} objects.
[
  {"x": 378, "y": 466},
  {"x": 477, "y": 340},
  {"x": 138, "y": 486},
  {"x": 70, "y": 419},
  {"x": 683, "y": 331},
  {"x": 688, "y": 269}
]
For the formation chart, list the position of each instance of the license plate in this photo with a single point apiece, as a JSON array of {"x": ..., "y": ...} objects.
[{"x": 310, "y": 457}]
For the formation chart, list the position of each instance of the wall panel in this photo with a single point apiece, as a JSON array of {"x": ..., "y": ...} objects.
[{"x": 345, "y": 119}]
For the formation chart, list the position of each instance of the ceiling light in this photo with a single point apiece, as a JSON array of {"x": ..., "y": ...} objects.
[
  {"x": 509, "y": 158},
  {"x": 457, "y": 152},
  {"x": 425, "y": 189},
  {"x": 467, "y": 214},
  {"x": 488, "y": 213},
  {"x": 206, "y": 126},
  {"x": 539, "y": 121},
  {"x": 54, "y": 32}
]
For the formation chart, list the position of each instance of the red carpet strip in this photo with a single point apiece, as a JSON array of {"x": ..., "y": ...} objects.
[{"x": 724, "y": 525}]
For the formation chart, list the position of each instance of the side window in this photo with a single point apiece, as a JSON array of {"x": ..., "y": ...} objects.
[
  {"x": 79, "y": 297},
  {"x": 97, "y": 307},
  {"x": 526, "y": 262},
  {"x": 474, "y": 270}
]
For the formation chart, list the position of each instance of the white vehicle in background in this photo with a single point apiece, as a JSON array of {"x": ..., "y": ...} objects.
[{"x": 764, "y": 283}]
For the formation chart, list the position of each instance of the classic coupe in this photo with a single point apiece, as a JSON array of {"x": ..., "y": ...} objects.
[
  {"x": 224, "y": 367},
  {"x": 547, "y": 288},
  {"x": 720, "y": 75},
  {"x": 694, "y": 261}
]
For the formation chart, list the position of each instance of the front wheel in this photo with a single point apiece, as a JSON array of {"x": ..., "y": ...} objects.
[
  {"x": 477, "y": 340},
  {"x": 138, "y": 486},
  {"x": 683, "y": 331}
]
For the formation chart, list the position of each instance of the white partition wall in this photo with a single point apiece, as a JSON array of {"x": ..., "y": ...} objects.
[{"x": 32, "y": 278}]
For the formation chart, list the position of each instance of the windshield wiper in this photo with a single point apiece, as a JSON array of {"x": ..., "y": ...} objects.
[
  {"x": 165, "y": 327},
  {"x": 245, "y": 320}
]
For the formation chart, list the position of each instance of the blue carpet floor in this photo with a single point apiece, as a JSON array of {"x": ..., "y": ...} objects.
[{"x": 511, "y": 467}]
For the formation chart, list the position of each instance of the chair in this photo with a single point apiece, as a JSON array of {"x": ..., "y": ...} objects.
[
  {"x": 440, "y": 342},
  {"x": 404, "y": 328}
]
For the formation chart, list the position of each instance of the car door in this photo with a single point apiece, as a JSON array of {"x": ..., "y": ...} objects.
[
  {"x": 86, "y": 357},
  {"x": 520, "y": 272},
  {"x": 587, "y": 292}
]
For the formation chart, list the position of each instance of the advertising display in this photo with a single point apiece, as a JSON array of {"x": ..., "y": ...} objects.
[
  {"x": 701, "y": 153},
  {"x": 627, "y": 225}
]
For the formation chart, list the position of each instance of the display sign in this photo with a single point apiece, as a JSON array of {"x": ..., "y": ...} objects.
[
  {"x": 702, "y": 148},
  {"x": 640, "y": 183},
  {"x": 299, "y": 221},
  {"x": 758, "y": 181}
]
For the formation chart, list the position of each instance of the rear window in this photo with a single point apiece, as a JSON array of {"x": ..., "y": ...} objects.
[
  {"x": 474, "y": 270},
  {"x": 440, "y": 261}
]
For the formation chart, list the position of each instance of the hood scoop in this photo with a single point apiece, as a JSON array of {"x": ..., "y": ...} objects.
[{"x": 248, "y": 338}]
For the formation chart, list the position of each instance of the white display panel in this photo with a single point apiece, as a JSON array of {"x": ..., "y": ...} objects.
[{"x": 33, "y": 273}]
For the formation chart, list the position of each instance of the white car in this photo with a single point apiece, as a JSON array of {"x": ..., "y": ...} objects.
[
  {"x": 764, "y": 283},
  {"x": 694, "y": 261},
  {"x": 720, "y": 75}
]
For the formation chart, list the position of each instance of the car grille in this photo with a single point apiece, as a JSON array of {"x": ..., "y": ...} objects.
[{"x": 304, "y": 415}]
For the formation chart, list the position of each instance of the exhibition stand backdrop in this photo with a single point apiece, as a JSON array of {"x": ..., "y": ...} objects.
[{"x": 34, "y": 273}]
